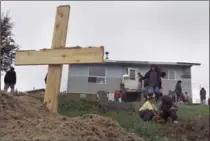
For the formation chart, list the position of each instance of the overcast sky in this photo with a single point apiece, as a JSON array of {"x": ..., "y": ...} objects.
[{"x": 143, "y": 30}]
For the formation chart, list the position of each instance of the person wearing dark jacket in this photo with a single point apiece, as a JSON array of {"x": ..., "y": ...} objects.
[
  {"x": 203, "y": 96},
  {"x": 178, "y": 90},
  {"x": 140, "y": 81},
  {"x": 153, "y": 76},
  {"x": 10, "y": 80},
  {"x": 167, "y": 109}
]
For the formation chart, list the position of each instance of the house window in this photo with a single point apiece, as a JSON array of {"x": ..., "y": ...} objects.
[
  {"x": 97, "y": 75},
  {"x": 186, "y": 74},
  {"x": 172, "y": 75},
  {"x": 132, "y": 74}
]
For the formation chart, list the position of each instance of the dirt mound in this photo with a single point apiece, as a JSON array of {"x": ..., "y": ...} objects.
[
  {"x": 189, "y": 130},
  {"x": 25, "y": 118}
]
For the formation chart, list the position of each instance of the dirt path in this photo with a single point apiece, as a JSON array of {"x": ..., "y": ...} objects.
[{"x": 25, "y": 118}]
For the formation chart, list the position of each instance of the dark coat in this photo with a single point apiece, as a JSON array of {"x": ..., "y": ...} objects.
[
  {"x": 146, "y": 83},
  {"x": 203, "y": 94},
  {"x": 10, "y": 77},
  {"x": 147, "y": 76},
  {"x": 178, "y": 88},
  {"x": 166, "y": 103}
]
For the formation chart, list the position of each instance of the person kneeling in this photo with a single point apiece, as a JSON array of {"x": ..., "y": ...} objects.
[
  {"x": 168, "y": 109},
  {"x": 148, "y": 109}
]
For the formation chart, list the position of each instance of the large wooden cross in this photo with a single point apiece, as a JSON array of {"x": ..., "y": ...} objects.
[{"x": 58, "y": 55}]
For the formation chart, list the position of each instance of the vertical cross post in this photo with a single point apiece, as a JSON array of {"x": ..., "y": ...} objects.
[{"x": 51, "y": 97}]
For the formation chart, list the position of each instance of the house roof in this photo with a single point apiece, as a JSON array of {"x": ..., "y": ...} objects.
[
  {"x": 120, "y": 62},
  {"x": 151, "y": 62}
]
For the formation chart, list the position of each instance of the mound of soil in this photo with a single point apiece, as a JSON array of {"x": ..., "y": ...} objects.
[
  {"x": 25, "y": 118},
  {"x": 189, "y": 130}
]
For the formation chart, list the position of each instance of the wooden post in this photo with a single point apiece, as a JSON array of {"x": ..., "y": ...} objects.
[
  {"x": 57, "y": 56},
  {"x": 55, "y": 71}
]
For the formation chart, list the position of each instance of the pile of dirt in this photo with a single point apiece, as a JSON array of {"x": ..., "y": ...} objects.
[
  {"x": 25, "y": 118},
  {"x": 189, "y": 130}
]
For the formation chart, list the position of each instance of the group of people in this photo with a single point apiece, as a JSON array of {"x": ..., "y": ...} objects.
[
  {"x": 152, "y": 81},
  {"x": 166, "y": 109}
]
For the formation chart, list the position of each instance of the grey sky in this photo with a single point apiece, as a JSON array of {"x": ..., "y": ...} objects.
[{"x": 155, "y": 31}]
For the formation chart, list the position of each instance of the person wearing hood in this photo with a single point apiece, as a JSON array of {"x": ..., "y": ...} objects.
[
  {"x": 10, "y": 80},
  {"x": 153, "y": 77}
]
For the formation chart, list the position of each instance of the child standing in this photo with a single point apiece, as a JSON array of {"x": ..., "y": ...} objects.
[{"x": 117, "y": 96}]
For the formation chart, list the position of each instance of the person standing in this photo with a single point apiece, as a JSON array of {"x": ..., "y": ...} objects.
[
  {"x": 186, "y": 98},
  {"x": 123, "y": 94},
  {"x": 178, "y": 90},
  {"x": 140, "y": 81},
  {"x": 10, "y": 80},
  {"x": 154, "y": 80},
  {"x": 203, "y": 96}
]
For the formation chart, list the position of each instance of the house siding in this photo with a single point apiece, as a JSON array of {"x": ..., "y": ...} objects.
[{"x": 78, "y": 78}]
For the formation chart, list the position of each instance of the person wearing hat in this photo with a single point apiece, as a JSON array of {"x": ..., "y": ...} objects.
[
  {"x": 148, "y": 110},
  {"x": 10, "y": 80}
]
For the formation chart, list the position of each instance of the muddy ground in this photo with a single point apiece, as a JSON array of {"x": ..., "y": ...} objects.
[
  {"x": 188, "y": 130},
  {"x": 25, "y": 118},
  {"x": 184, "y": 131}
]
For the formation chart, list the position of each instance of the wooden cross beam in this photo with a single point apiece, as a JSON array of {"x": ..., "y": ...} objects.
[{"x": 57, "y": 56}]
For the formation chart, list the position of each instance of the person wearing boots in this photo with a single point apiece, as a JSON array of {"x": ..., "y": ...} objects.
[{"x": 10, "y": 80}]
